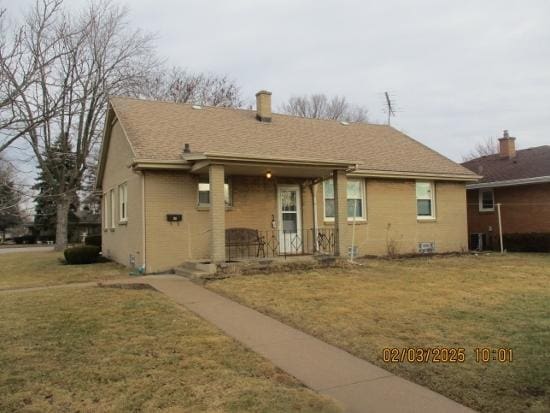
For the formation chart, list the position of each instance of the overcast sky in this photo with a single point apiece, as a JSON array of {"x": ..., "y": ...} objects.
[{"x": 459, "y": 71}]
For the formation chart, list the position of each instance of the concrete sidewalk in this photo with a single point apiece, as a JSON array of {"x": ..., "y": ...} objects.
[
  {"x": 10, "y": 250},
  {"x": 358, "y": 385}
]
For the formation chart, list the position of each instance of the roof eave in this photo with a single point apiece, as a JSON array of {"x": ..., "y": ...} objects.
[
  {"x": 143, "y": 164},
  {"x": 273, "y": 160},
  {"x": 373, "y": 173},
  {"x": 510, "y": 182}
]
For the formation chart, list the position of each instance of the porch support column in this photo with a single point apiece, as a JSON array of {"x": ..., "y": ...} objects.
[
  {"x": 217, "y": 213},
  {"x": 340, "y": 211}
]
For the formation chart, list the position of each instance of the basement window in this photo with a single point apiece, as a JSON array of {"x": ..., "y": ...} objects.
[
  {"x": 486, "y": 200},
  {"x": 204, "y": 191}
]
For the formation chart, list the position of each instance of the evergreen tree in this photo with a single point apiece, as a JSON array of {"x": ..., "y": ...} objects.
[{"x": 58, "y": 158}]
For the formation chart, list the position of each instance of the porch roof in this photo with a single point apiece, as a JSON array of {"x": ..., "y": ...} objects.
[{"x": 236, "y": 164}]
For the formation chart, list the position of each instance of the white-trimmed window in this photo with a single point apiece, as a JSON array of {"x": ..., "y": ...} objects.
[
  {"x": 425, "y": 200},
  {"x": 112, "y": 205},
  {"x": 486, "y": 200},
  {"x": 123, "y": 202},
  {"x": 204, "y": 191},
  {"x": 355, "y": 197},
  {"x": 105, "y": 210}
]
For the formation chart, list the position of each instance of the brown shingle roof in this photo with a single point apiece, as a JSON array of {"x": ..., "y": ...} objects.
[
  {"x": 159, "y": 130},
  {"x": 528, "y": 163}
]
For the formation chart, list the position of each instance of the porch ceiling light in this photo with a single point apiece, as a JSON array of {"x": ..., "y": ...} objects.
[{"x": 268, "y": 175}]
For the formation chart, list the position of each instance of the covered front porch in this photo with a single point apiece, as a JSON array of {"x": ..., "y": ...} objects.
[{"x": 267, "y": 208}]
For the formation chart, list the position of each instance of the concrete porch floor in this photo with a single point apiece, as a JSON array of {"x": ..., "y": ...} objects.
[{"x": 204, "y": 268}]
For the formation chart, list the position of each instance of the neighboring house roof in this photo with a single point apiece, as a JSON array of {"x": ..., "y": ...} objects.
[
  {"x": 527, "y": 166},
  {"x": 157, "y": 131}
]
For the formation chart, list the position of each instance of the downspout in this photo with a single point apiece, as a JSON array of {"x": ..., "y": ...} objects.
[
  {"x": 352, "y": 253},
  {"x": 143, "y": 220}
]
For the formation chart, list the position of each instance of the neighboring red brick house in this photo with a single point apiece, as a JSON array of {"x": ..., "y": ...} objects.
[{"x": 517, "y": 180}]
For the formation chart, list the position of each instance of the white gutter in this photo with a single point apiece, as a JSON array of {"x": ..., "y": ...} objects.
[
  {"x": 371, "y": 173},
  {"x": 510, "y": 182}
]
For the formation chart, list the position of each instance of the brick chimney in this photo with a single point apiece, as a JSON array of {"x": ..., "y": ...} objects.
[
  {"x": 507, "y": 146},
  {"x": 263, "y": 106}
]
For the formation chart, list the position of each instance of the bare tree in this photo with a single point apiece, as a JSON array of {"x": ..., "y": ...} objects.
[
  {"x": 181, "y": 86},
  {"x": 93, "y": 55},
  {"x": 10, "y": 198},
  {"x": 19, "y": 69},
  {"x": 319, "y": 106},
  {"x": 489, "y": 146}
]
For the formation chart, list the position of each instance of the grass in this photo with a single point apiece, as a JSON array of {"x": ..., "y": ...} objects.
[
  {"x": 32, "y": 269},
  {"x": 104, "y": 349},
  {"x": 466, "y": 301}
]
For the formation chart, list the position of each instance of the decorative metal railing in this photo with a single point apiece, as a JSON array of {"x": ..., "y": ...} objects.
[{"x": 252, "y": 243}]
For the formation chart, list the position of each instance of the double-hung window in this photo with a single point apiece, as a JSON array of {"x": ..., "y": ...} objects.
[
  {"x": 425, "y": 200},
  {"x": 486, "y": 200},
  {"x": 204, "y": 191},
  {"x": 112, "y": 206},
  {"x": 105, "y": 211},
  {"x": 123, "y": 202},
  {"x": 355, "y": 198}
]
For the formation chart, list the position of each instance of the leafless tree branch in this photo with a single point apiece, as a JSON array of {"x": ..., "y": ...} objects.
[
  {"x": 77, "y": 61},
  {"x": 489, "y": 146},
  {"x": 181, "y": 86},
  {"x": 319, "y": 106}
]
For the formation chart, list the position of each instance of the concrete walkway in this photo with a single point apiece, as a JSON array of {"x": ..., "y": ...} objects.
[
  {"x": 10, "y": 250},
  {"x": 361, "y": 387},
  {"x": 358, "y": 385}
]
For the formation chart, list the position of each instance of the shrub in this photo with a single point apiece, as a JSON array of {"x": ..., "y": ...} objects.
[
  {"x": 529, "y": 242},
  {"x": 86, "y": 254},
  {"x": 94, "y": 240}
]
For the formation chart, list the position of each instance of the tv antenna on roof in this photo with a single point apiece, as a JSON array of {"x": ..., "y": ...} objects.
[{"x": 390, "y": 107}]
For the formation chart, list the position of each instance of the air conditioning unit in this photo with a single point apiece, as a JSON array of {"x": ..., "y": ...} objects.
[{"x": 426, "y": 247}]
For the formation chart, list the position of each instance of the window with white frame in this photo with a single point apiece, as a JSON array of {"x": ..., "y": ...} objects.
[
  {"x": 204, "y": 191},
  {"x": 112, "y": 206},
  {"x": 105, "y": 211},
  {"x": 123, "y": 202},
  {"x": 486, "y": 200},
  {"x": 425, "y": 205},
  {"x": 355, "y": 197}
]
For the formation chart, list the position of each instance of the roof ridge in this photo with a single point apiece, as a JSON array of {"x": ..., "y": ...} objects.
[
  {"x": 497, "y": 155},
  {"x": 286, "y": 115}
]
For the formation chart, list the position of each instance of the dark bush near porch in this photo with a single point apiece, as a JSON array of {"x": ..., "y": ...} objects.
[
  {"x": 94, "y": 240},
  {"x": 86, "y": 254},
  {"x": 531, "y": 242}
]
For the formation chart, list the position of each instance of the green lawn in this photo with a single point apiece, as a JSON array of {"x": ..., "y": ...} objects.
[
  {"x": 114, "y": 350},
  {"x": 32, "y": 269},
  {"x": 460, "y": 302}
]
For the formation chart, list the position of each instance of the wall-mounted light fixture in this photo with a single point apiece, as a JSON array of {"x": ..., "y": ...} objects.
[{"x": 268, "y": 175}]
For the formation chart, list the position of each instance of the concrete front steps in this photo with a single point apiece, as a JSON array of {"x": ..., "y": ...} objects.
[
  {"x": 204, "y": 270},
  {"x": 196, "y": 270}
]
